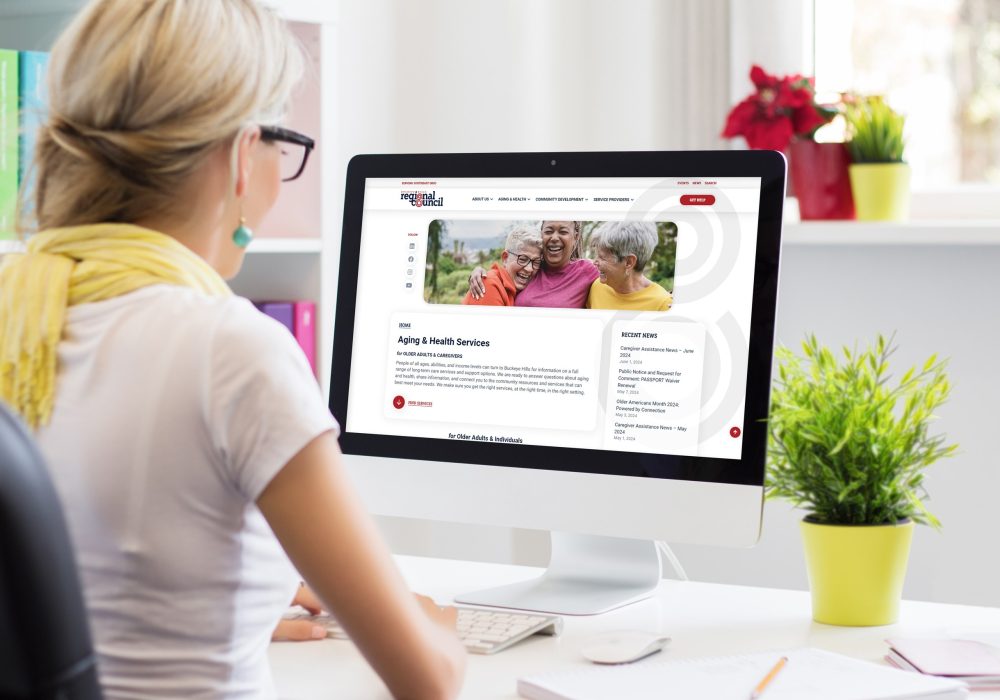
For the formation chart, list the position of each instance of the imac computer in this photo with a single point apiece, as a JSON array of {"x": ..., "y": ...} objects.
[{"x": 613, "y": 387}]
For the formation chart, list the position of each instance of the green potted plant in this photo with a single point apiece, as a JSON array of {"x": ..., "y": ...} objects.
[
  {"x": 850, "y": 446},
  {"x": 880, "y": 180}
]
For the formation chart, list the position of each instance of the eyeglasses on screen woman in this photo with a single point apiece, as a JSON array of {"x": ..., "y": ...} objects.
[
  {"x": 524, "y": 260},
  {"x": 295, "y": 149}
]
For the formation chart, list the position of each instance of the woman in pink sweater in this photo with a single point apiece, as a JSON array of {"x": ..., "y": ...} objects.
[{"x": 565, "y": 278}]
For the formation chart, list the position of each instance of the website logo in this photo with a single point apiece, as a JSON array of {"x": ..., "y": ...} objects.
[{"x": 423, "y": 199}]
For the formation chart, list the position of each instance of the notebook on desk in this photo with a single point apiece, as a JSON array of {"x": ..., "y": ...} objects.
[
  {"x": 970, "y": 661},
  {"x": 809, "y": 673}
]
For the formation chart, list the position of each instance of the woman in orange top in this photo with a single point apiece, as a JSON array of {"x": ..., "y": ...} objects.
[{"x": 518, "y": 265}]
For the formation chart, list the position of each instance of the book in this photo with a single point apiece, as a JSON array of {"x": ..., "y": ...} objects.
[
  {"x": 9, "y": 125},
  {"x": 305, "y": 329},
  {"x": 32, "y": 66},
  {"x": 299, "y": 317},
  {"x": 809, "y": 673},
  {"x": 280, "y": 311},
  {"x": 974, "y": 662}
]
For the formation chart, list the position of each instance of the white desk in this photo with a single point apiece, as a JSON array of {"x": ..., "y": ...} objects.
[{"x": 704, "y": 620}]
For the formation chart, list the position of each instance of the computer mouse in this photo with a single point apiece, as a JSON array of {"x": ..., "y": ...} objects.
[{"x": 622, "y": 647}]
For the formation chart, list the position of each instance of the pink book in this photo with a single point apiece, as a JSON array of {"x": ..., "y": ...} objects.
[
  {"x": 976, "y": 663},
  {"x": 305, "y": 329}
]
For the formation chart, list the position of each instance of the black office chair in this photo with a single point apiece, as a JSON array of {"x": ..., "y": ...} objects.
[{"x": 45, "y": 645}]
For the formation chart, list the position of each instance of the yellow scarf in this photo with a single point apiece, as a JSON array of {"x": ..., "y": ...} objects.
[{"x": 76, "y": 265}]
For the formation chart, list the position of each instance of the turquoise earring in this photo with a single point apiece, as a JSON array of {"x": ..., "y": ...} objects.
[{"x": 242, "y": 235}]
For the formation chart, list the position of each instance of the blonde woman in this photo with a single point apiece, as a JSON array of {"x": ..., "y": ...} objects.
[
  {"x": 191, "y": 448},
  {"x": 519, "y": 263},
  {"x": 623, "y": 248}
]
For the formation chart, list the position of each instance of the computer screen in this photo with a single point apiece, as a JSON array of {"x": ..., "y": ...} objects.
[{"x": 626, "y": 330}]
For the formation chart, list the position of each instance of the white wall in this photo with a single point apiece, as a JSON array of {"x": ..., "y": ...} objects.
[
  {"x": 448, "y": 75},
  {"x": 936, "y": 298},
  {"x": 453, "y": 75},
  {"x": 523, "y": 75}
]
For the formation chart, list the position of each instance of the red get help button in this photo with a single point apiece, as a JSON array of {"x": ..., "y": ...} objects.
[{"x": 696, "y": 199}]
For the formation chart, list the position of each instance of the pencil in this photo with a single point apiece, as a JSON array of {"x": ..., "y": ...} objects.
[{"x": 766, "y": 680}]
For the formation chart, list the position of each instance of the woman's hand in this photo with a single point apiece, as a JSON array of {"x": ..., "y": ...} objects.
[
  {"x": 305, "y": 630},
  {"x": 445, "y": 616},
  {"x": 301, "y": 630},
  {"x": 476, "y": 286},
  {"x": 306, "y": 598},
  {"x": 297, "y": 631}
]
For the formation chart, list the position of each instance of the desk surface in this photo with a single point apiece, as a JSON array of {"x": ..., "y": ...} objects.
[{"x": 704, "y": 619}]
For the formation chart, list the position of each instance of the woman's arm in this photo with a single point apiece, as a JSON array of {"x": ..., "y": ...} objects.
[{"x": 334, "y": 544}]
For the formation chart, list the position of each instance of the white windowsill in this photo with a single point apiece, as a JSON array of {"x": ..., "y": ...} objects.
[
  {"x": 940, "y": 232},
  {"x": 931, "y": 222}
]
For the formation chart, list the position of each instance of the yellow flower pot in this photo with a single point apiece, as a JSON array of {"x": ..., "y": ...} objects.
[
  {"x": 856, "y": 572},
  {"x": 881, "y": 191}
]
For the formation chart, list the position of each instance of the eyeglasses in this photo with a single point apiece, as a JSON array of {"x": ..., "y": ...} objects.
[
  {"x": 524, "y": 260},
  {"x": 295, "y": 149}
]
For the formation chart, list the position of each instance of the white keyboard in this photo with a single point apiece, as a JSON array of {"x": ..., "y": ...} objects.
[{"x": 482, "y": 631}]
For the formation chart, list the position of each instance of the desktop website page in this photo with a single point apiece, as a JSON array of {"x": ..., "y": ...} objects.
[{"x": 616, "y": 313}]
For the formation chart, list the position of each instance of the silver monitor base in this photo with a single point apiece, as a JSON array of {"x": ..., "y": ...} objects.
[{"x": 587, "y": 575}]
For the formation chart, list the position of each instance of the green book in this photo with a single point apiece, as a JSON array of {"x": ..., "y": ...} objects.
[{"x": 8, "y": 142}]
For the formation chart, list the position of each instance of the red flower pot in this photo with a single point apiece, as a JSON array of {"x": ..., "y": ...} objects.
[{"x": 818, "y": 174}]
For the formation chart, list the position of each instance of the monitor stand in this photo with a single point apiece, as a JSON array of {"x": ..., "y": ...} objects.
[{"x": 587, "y": 575}]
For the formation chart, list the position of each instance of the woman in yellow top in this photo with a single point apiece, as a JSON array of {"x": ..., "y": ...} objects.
[
  {"x": 190, "y": 445},
  {"x": 623, "y": 248}
]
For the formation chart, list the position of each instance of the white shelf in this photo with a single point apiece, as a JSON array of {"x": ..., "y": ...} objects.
[
  {"x": 295, "y": 253},
  {"x": 905, "y": 233}
]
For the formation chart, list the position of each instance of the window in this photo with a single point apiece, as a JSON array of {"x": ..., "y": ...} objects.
[{"x": 937, "y": 62}]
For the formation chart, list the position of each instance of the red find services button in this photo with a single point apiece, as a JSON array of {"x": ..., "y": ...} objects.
[
  {"x": 695, "y": 199},
  {"x": 735, "y": 431},
  {"x": 398, "y": 402}
]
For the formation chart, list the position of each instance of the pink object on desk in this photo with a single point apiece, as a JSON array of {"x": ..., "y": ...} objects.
[{"x": 974, "y": 662}]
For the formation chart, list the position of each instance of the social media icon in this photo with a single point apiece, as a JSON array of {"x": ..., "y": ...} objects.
[
  {"x": 735, "y": 432},
  {"x": 409, "y": 285},
  {"x": 409, "y": 259},
  {"x": 398, "y": 402},
  {"x": 412, "y": 246},
  {"x": 410, "y": 271}
]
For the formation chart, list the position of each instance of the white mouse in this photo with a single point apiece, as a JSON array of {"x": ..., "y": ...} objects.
[{"x": 622, "y": 647}]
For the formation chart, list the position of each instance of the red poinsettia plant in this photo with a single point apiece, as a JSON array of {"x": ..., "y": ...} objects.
[{"x": 779, "y": 109}]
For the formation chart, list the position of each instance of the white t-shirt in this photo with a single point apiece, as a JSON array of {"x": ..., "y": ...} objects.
[{"x": 173, "y": 412}]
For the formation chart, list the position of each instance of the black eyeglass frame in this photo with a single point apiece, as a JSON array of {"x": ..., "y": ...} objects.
[
  {"x": 536, "y": 263},
  {"x": 280, "y": 133}
]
